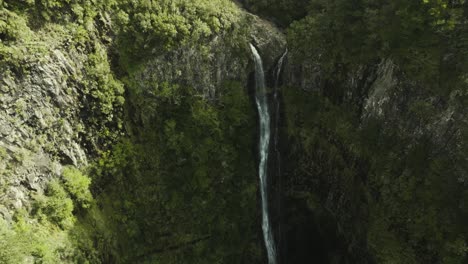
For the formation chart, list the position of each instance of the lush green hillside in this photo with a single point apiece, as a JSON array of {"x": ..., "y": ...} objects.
[
  {"x": 172, "y": 172},
  {"x": 128, "y": 135},
  {"x": 380, "y": 145}
]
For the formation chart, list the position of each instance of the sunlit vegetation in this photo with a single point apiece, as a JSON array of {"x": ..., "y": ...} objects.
[
  {"x": 172, "y": 173},
  {"x": 181, "y": 187}
]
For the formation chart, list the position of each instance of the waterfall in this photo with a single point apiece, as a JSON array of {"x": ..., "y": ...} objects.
[
  {"x": 261, "y": 100},
  {"x": 277, "y": 75},
  {"x": 278, "y": 68}
]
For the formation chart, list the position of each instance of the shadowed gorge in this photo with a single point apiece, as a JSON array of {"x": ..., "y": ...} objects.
[{"x": 231, "y": 132}]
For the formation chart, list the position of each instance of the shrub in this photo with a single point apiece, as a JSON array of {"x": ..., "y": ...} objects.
[
  {"x": 56, "y": 206},
  {"x": 77, "y": 185},
  {"x": 12, "y": 247}
]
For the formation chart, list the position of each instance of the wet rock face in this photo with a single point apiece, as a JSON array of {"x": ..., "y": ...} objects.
[
  {"x": 202, "y": 68},
  {"x": 307, "y": 76},
  {"x": 39, "y": 125},
  {"x": 222, "y": 58},
  {"x": 268, "y": 39},
  {"x": 416, "y": 113}
]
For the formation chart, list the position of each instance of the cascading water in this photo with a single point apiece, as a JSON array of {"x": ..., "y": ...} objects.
[
  {"x": 277, "y": 75},
  {"x": 278, "y": 69},
  {"x": 261, "y": 100}
]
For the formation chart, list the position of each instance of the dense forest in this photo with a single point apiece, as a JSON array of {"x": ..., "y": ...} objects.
[{"x": 129, "y": 131}]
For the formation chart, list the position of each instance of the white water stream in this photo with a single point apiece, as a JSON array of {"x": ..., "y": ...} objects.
[{"x": 264, "y": 146}]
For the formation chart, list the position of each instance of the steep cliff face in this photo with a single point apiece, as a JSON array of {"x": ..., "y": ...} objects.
[
  {"x": 128, "y": 131},
  {"x": 46, "y": 81},
  {"x": 191, "y": 115},
  {"x": 45, "y": 91},
  {"x": 373, "y": 134},
  {"x": 408, "y": 107},
  {"x": 175, "y": 123},
  {"x": 40, "y": 126},
  {"x": 368, "y": 146},
  {"x": 224, "y": 57}
]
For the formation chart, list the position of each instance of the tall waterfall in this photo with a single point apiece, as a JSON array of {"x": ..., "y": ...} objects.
[
  {"x": 261, "y": 100},
  {"x": 279, "y": 183},
  {"x": 278, "y": 69}
]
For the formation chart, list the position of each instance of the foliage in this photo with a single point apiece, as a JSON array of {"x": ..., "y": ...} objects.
[
  {"x": 184, "y": 183},
  {"x": 58, "y": 11},
  {"x": 324, "y": 169},
  {"x": 56, "y": 206},
  {"x": 346, "y": 34},
  {"x": 48, "y": 234},
  {"x": 151, "y": 27},
  {"x": 26, "y": 41},
  {"x": 412, "y": 186},
  {"x": 283, "y": 12},
  {"x": 12, "y": 247},
  {"x": 180, "y": 188},
  {"x": 412, "y": 182},
  {"x": 12, "y": 26},
  {"x": 141, "y": 214},
  {"x": 103, "y": 95},
  {"x": 77, "y": 185}
]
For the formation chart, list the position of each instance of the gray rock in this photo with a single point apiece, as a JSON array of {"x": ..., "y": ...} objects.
[{"x": 39, "y": 117}]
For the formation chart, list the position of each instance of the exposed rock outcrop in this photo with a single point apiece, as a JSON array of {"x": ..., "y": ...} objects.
[
  {"x": 42, "y": 126},
  {"x": 44, "y": 109},
  {"x": 222, "y": 58}
]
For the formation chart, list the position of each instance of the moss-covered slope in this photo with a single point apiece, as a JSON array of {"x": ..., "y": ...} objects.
[{"x": 146, "y": 106}]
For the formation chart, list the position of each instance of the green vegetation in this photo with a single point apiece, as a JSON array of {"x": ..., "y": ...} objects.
[
  {"x": 103, "y": 96},
  {"x": 413, "y": 190},
  {"x": 50, "y": 233},
  {"x": 172, "y": 171},
  {"x": 416, "y": 36},
  {"x": 59, "y": 11},
  {"x": 11, "y": 245},
  {"x": 402, "y": 188},
  {"x": 181, "y": 190},
  {"x": 77, "y": 185},
  {"x": 25, "y": 44},
  {"x": 145, "y": 26},
  {"x": 282, "y": 12},
  {"x": 56, "y": 206}
]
